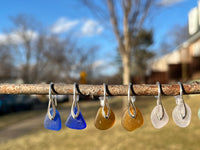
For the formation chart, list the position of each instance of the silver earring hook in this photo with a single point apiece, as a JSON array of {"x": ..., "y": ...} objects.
[
  {"x": 181, "y": 89},
  {"x": 181, "y": 101},
  {"x": 129, "y": 89},
  {"x": 159, "y": 93},
  {"x": 131, "y": 101},
  {"x": 53, "y": 102},
  {"x": 160, "y": 117},
  {"x": 75, "y": 104},
  {"x": 105, "y": 104}
]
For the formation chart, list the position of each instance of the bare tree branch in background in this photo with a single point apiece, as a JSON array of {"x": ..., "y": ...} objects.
[
  {"x": 6, "y": 63},
  {"x": 24, "y": 27},
  {"x": 59, "y": 59},
  {"x": 43, "y": 57},
  {"x": 135, "y": 13}
]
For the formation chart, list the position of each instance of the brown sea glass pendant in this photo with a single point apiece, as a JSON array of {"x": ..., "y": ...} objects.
[
  {"x": 102, "y": 122},
  {"x": 129, "y": 123},
  {"x": 105, "y": 117},
  {"x": 132, "y": 117}
]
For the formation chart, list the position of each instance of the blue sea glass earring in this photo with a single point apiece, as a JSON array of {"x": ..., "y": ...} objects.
[
  {"x": 52, "y": 120},
  {"x": 75, "y": 119}
]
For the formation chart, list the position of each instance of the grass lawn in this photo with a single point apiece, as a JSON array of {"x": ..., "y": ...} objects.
[
  {"x": 145, "y": 138},
  {"x": 15, "y": 117}
]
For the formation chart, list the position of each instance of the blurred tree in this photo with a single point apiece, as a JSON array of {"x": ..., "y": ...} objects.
[
  {"x": 135, "y": 14},
  {"x": 23, "y": 35},
  {"x": 140, "y": 54},
  {"x": 6, "y": 63},
  {"x": 60, "y": 59},
  {"x": 41, "y": 56}
]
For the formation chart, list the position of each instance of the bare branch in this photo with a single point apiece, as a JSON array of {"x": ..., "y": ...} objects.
[
  {"x": 126, "y": 4},
  {"x": 146, "y": 8},
  {"x": 115, "y": 25}
]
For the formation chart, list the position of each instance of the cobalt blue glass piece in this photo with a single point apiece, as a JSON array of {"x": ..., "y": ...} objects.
[
  {"x": 54, "y": 124},
  {"x": 78, "y": 123}
]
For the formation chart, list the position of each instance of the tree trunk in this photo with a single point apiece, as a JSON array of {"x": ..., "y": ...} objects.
[
  {"x": 126, "y": 75},
  {"x": 126, "y": 69}
]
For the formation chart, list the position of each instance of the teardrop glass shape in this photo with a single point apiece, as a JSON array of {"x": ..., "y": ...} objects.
[
  {"x": 130, "y": 123},
  {"x": 158, "y": 119},
  {"x": 179, "y": 119},
  {"x": 76, "y": 123},
  {"x": 54, "y": 124},
  {"x": 102, "y": 123}
]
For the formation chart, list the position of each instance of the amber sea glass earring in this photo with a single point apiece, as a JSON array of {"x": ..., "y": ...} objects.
[
  {"x": 159, "y": 117},
  {"x": 105, "y": 117},
  {"x": 132, "y": 117}
]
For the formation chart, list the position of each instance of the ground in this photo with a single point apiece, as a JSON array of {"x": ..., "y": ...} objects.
[{"x": 25, "y": 130}]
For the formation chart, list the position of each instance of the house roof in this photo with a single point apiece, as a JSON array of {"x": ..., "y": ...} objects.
[{"x": 178, "y": 55}]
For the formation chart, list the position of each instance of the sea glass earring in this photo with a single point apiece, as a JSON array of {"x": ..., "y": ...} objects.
[
  {"x": 132, "y": 117},
  {"x": 105, "y": 117},
  {"x": 182, "y": 112},
  {"x": 159, "y": 117},
  {"x": 75, "y": 119},
  {"x": 52, "y": 120}
]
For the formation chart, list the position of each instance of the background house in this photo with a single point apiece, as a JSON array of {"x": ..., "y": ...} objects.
[{"x": 183, "y": 63}]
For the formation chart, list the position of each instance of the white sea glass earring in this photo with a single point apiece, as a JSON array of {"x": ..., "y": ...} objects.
[
  {"x": 182, "y": 112},
  {"x": 159, "y": 117}
]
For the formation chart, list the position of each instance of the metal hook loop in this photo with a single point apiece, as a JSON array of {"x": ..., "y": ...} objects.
[
  {"x": 160, "y": 117},
  {"x": 53, "y": 102},
  {"x": 75, "y": 104},
  {"x": 129, "y": 89},
  {"x": 181, "y": 101},
  {"x": 105, "y": 104},
  {"x": 131, "y": 101},
  {"x": 159, "y": 92},
  {"x": 181, "y": 89}
]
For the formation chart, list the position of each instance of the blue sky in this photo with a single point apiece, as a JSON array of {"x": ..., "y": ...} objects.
[{"x": 64, "y": 16}]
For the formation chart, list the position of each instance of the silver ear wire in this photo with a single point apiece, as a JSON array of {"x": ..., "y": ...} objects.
[
  {"x": 105, "y": 104},
  {"x": 181, "y": 89},
  {"x": 180, "y": 100},
  {"x": 53, "y": 102},
  {"x": 131, "y": 101},
  {"x": 75, "y": 104},
  {"x": 181, "y": 113},
  {"x": 159, "y": 117},
  {"x": 159, "y": 101},
  {"x": 159, "y": 93}
]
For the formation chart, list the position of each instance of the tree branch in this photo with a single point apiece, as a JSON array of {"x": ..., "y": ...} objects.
[
  {"x": 126, "y": 4},
  {"x": 146, "y": 8},
  {"x": 115, "y": 25}
]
